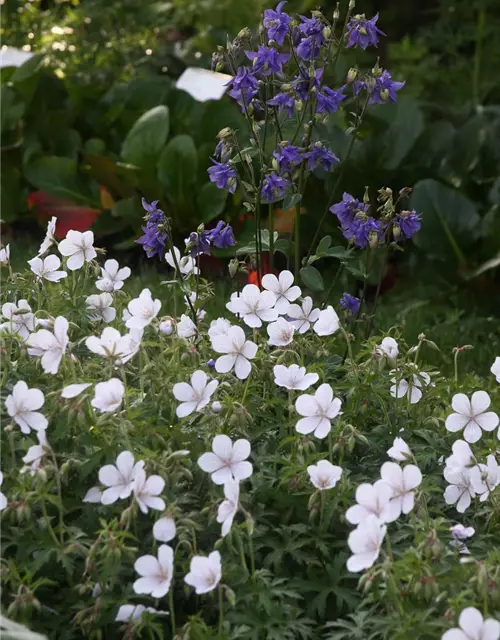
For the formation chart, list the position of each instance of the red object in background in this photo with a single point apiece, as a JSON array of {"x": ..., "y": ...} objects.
[
  {"x": 69, "y": 215},
  {"x": 253, "y": 276}
]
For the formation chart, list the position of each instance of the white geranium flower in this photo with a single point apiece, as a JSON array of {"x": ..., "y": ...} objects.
[
  {"x": 112, "y": 277},
  {"x": 238, "y": 352},
  {"x": 459, "y": 490},
  {"x": 485, "y": 477},
  {"x": 48, "y": 346},
  {"x": 186, "y": 328},
  {"x": 19, "y": 319},
  {"x": 327, "y": 322},
  {"x": 411, "y": 388},
  {"x": 142, "y": 310},
  {"x": 108, "y": 395},
  {"x": 471, "y": 415},
  {"x": 204, "y": 573},
  {"x": 461, "y": 457},
  {"x": 74, "y": 390},
  {"x": 365, "y": 542},
  {"x": 303, "y": 316},
  {"x": 156, "y": 573},
  {"x": 495, "y": 369},
  {"x": 164, "y": 529},
  {"x": 134, "y": 612},
  {"x": 294, "y": 377},
  {"x": 459, "y": 533},
  {"x": 473, "y": 627},
  {"x": 187, "y": 264},
  {"x": 280, "y": 333},
  {"x": 228, "y": 461},
  {"x": 255, "y": 306},
  {"x": 147, "y": 490},
  {"x": 400, "y": 451},
  {"x": 218, "y": 327},
  {"x": 50, "y": 238},
  {"x": 318, "y": 411},
  {"x": 22, "y": 405},
  {"x": 324, "y": 475},
  {"x": 93, "y": 495},
  {"x": 194, "y": 396},
  {"x": 47, "y": 268},
  {"x": 3, "y": 499},
  {"x": 372, "y": 500},
  {"x": 114, "y": 346},
  {"x": 35, "y": 453},
  {"x": 5, "y": 256},
  {"x": 228, "y": 508},
  {"x": 283, "y": 288},
  {"x": 403, "y": 482},
  {"x": 230, "y": 305},
  {"x": 78, "y": 248},
  {"x": 119, "y": 477},
  {"x": 99, "y": 307},
  {"x": 388, "y": 349}
]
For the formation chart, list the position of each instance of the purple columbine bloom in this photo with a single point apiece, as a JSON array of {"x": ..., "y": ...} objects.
[
  {"x": 408, "y": 223},
  {"x": 198, "y": 243},
  {"x": 362, "y": 32},
  {"x": 347, "y": 208},
  {"x": 284, "y": 102},
  {"x": 274, "y": 187},
  {"x": 288, "y": 156},
  {"x": 328, "y": 100},
  {"x": 384, "y": 91},
  {"x": 276, "y": 23},
  {"x": 357, "y": 227},
  {"x": 320, "y": 156},
  {"x": 244, "y": 87},
  {"x": 267, "y": 60},
  {"x": 312, "y": 27},
  {"x": 308, "y": 48},
  {"x": 223, "y": 151},
  {"x": 221, "y": 236},
  {"x": 303, "y": 82},
  {"x": 223, "y": 175},
  {"x": 154, "y": 239},
  {"x": 350, "y": 303}
]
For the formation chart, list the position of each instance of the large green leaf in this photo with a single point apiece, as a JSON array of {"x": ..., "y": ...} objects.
[
  {"x": 12, "y": 110},
  {"x": 146, "y": 139},
  {"x": 177, "y": 169},
  {"x": 211, "y": 202},
  {"x": 312, "y": 278},
  {"x": 28, "y": 69},
  {"x": 59, "y": 177},
  {"x": 450, "y": 220},
  {"x": 407, "y": 123}
]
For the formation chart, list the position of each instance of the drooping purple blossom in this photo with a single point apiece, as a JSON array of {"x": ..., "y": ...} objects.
[
  {"x": 384, "y": 90},
  {"x": 284, "y": 102},
  {"x": 154, "y": 239},
  {"x": 198, "y": 243},
  {"x": 350, "y": 303},
  {"x": 223, "y": 175},
  {"x": 328, "y": 100},
  {"x": 223, "y": 151},
  {"x": 320, "y": 156},
  {"x": 276, "y": 23},
  {"x": 267, "y": 60},
  {"x": 221, "y": 236},
  {"x": 357, "y": 226},
  {"x": 274, "y": 187},
  {"x": 408, "y": 223},
  {"x": 288, "y": 156},
  {"x": 362, "y": 32},
  {"x": 312, "y": 27},
  {"x": 244, "y": 87},
  {"x": 308, "y": 48},
  {"x": 303, "y": 83}
]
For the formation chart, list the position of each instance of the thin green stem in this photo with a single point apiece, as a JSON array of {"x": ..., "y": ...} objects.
[
  {"x": 172, "y": 609},
  {"x": 271, "y": 237},
  {"x": 377, "y": 293},
  {"x": 47, "y": 521},
  {"x": 332, "y": 286},
  {"x": 221, "y": 610},
  {"x": 59, "y": 494}
]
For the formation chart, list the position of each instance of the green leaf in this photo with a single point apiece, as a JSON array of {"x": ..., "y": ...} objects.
[
  {"x": 291, "y": 200},
  {"x": 211, "y": 202},
  {"x": 312, "y": 278},
  {"x": 12, "y": 110},
  {"x": 406, "y": 125},
  {"x": 323, "y": 245},
  {"x": 59, "y": 177},
  {"x": 146, "y": 139},
  {"x": 28, "y": 69},
  {"x": 177, "y": 168}
]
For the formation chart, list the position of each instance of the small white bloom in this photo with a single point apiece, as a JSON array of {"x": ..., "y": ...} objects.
[
  {"x": 194, "y": 396},
  {"x": 99, "y": 306},
  {"x": 485, "y": 477},
  {"x": 156, "y": 573},
  {"x": 459, "y": 490},
  {"x": 318, "y": 411},
  {"x": 19, "y": 318},
  {"x": 112, "y": 277},
  {"x": 3, "y": 499},
  {"x": 216, "y": 406},
  {"x": 228, "y": 508},
  {"x": 134, "y": 612},
  {"x": 365, "y": 542},
  {"x": 471, "y": 415},
  {"x": 294, "y": 377},
  {"x": 372, "y": 500},
  {"x": 108, "y": 395},
  {"x": 388, "y": 349},
  {"x": 400, "y": 451},
  {"x": 74, "y": 390},
  {"x": 324, "y": 475},
  {"x": 35, "y": 453},
  {"x": 204, "y": 573},
  {"x": 411, "y": 388},
  {"x": 218, "y": 327},
  {"x": 119, "y": 478},
  {"x": 186, "y": 328},
  {"x": 93, "y": 495},
  {"x": 473, "y": 627},
  {"x": 147, "y": 490},
  {"x": 238, "y": 352},
  {"x": 50, "y": 238},
  {"x": 461, "y": 457},
  {"x": 302, "y": 317},
  {"x": 255, "y": 306},
  {"x": 5, "y": 256},
  {"x": 164, "y": 529},
  {"x": 327, "y": 322},
  {"x": 78, "y": 248},
  {"x": 47, "y": 268},
  {"x": 283, "y": 288},
  {"x": 495, "y": 369},
  {"x": 187, "y": 264},
  {"x": 459, "y": 532},
  {"x": 48, "y": 346},
  {"x": 142, "y": 310},
  {"x": 22, "y": 405},
  {"x": 403, "y": 482},
  {"x": 280, "y": 333},
  {"x": 167, "y": 327},
  {"x": 228, "y": 461},
  {"x": 113, "y": 345}
]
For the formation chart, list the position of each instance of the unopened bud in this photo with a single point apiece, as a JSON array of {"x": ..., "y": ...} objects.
[
  {"x": 352, "y": 74},
  {"x": 167, "y": 327},
  {"x": 244, "y": 34},
  {"x": 327, "y": 32},
  {"x": 352, "y": 4},
  {"x": 396, "y": 231},
  {"x": 275, "y": 164},
  {"x": 216, "y": 406},
  {"x": 370, "y": 84},
  {"x": 298, "y": 105},
  {"x": 225, "y": 133},
  {"x": 317, "y": 14},
  {"x": 336, "y": 13},
  {"x": 233, "y": 267},
  {"x": 373, "y": 239}
]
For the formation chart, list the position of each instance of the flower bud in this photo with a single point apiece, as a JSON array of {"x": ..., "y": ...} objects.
[
  {"x": 396, "y": 231},
  {"x": 352, "y": 74},
  {"x": 167, "y": 327},
  {"x": 298, "y": 105},
  {"x": 370, "y": 84},
  {"x": 219, "y": 66},
  {"x": 352, "y": 4},
  {"x": 224, "y": 133},
  {"x": 317, "y": 14},
  {"x": 233, "y": 267},
  {"x": 373, "y": 239},
  {"x": 336, "y": 13},
  {"x": 327, "y": 32},
  {"x": 244, "y": 34},
  {"x": 275, "y": 165},
  {"x": 216, "y": 406}
]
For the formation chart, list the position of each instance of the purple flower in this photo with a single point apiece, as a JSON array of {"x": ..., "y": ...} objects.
[
  {"x": 211, "y": 363},
  {"x": 223, "y": 151},
  {"x": 308, "y": 48},
  {"x": 350, "y": 303},
  {"x": 320, "y": 156},
  {"x": 221, "y": 236},
  {"x": 198, "y": 243},
  {"x": 347, "y": 208},
  {"x": 288, "y": 156},
  {"x": 384, "y": 90},
  {"x": 312, "y": 27},
  {"x": 274, "y": 187},
  {"x": 357, "y": 227},
  {"x": 284, "y": 102},
  {"x": 154, "y": 239},
  {"x": 276, "y": 23},
  {"x": 328, "y": 100},
  {"x": 223, "y": 175},
  {"x": 362, "y": 32},
  {"x": 408, "y": 223},
  {"x": 303, "y": 82},
  {"x": 244, "y": 87},
  {"x": 267, "y": 60}
]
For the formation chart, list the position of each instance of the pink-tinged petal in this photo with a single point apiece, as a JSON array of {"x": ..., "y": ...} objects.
[
  {"x": 241, "y": 450},
  {"x": 146, "y": 585},
  {"x": 281, "y": 307},
  {"x": 461, "y": 404},
  {"x": 392, "y": 473},
  {"x": 223, "y": 475},
  {"x": 472, "y": 432},
  {"x": 334, "y": 409},
  {"x": 125, "y": 463},
  {"x": 240, "y": 470},
  {"x": 242, "y": 368},
  {"x": 93, "y": 495},
  {"x": 471, "y": 621},
  {"x": 456, "y": 422},
  {"x": 209, "y": 462},
  {"x": 74, "y": 390},
  {"x": 222, "y": 446},
  {"x": 323, "y": 428},
  {"x": 324, "y": 395},
  {"x": 307, "y": 425},
  {"x": 480, "y": 401},
  {"x": 166, "y": 556},
  {"x": 183, "y": 391},
  {"x": 454, "y": 634},
  {"x": 487, "y": 421},
  {"x": 392, "y": 511},
  {"x": 224, "y": 364},
  {"x": 75, "y": 261}
]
